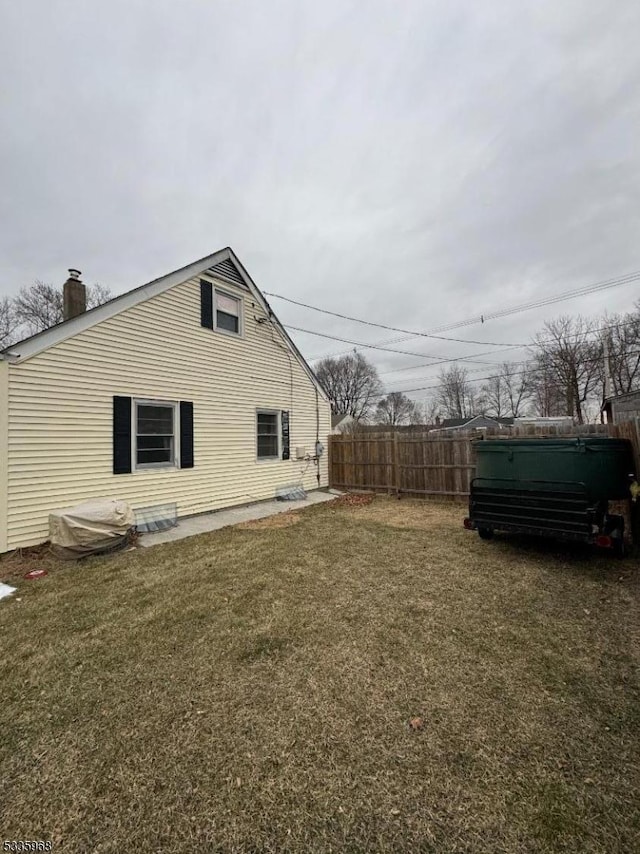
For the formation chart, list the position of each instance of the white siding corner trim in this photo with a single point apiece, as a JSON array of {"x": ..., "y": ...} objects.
[{"x": 4, "y": 442}]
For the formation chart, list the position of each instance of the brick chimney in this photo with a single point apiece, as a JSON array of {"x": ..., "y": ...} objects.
[{"x": 74, "y": 296}]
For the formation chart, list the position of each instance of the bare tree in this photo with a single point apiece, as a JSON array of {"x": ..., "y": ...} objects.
[
  {"x": 455, "y": 394},
  {"x": 8, "y": 323},
  {"x": 518, "y": 389},
  {"x": 351, "y": 383},
  {"x": 429, "y": 410},
  {"x": 569, "y": 359},
  {"x": 396, "y": 408},
  {"x": 97, "y": 295},
  {"x": 621, "y": 349},
  {"x": 40, "y": 305},
  {"x": 508, "y": 392},
  {"x": 492, "y": 399},
  {"x": 547, "y": 396}
]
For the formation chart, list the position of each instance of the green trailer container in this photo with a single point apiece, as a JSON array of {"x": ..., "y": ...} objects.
[{"x": 551, "y": 487}]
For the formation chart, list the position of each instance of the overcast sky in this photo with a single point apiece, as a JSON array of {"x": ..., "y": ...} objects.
[{"x": 411, "y": 163}]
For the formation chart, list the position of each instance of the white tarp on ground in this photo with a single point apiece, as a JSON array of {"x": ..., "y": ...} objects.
[
  {"x": 89, "y": 528},
  {"x": 5, "y": 590}
]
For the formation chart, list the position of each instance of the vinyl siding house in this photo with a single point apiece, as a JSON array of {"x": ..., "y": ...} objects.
[{"x": 186, "y": 390}]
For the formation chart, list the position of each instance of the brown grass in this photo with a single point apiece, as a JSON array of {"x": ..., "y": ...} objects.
[
  {"x": 281, "y": 520},
  {"x": 342, "y": 684}
]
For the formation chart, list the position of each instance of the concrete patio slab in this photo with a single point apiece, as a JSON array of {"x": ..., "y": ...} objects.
[{"x": 223, "y": 518}]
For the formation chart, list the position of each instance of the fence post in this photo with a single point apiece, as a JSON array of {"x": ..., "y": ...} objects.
[
  {"x": 634, "y": 506},
  {"x": 396, "y": 464},
  {"x": 330, "y": 458}
]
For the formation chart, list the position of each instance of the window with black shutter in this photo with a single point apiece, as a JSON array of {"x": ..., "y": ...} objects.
[
  {"x": 121, "y": 435},
  {"x": 186, "y": 434},
  {"x": 151, "y": 434},
  {"x": 155, "y": 426},
  {"x": 227, "y": 313},
  {"x": 206, "y": 304},
  {"x": 268, "y": 433}
]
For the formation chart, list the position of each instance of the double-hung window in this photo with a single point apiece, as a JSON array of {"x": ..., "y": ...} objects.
[
  {"x": 227, "y": 313},
  {"x": 268, "y": 434},
  {"x": 155, "y": 434}
]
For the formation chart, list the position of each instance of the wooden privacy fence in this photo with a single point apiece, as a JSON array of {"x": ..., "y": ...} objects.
[{"x": 437, "y": 465}]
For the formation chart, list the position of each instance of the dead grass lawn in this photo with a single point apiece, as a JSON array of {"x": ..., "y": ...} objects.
[{"x": 252, "y": 690}]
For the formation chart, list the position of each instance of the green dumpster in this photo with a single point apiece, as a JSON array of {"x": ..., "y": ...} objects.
[
  {"x": 602, "y": 464},
  {"x": 552, "y": 487}
]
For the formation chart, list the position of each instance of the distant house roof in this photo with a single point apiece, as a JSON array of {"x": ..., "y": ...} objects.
[
  {"x": 340, "y": 419},
  {"x": 474, "y": 422}
]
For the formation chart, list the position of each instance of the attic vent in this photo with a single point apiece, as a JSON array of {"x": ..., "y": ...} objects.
[{"x": 228, "y": 271}]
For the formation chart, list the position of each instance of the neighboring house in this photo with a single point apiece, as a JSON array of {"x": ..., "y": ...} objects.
[
  {"x": 475, "y": 422},
  {"x": 185, "y": 390},
  {"x": 543, "y": 421},
  {"x": 341, "y": 422},
  {"x": 622, "y": 407}
]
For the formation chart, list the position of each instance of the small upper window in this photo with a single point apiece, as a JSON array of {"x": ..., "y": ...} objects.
[
  {"x": 268, "y": 424},
  {"x": 227, "y": 313},
  {"x": 155, "y": 434}
]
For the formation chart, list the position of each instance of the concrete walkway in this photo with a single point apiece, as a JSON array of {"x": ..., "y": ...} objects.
[{"x": 222, "y": 518}]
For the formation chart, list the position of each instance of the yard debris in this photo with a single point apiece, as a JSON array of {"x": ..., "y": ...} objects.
[
  {"x": 355, "y": 499},
  {"x": 280, "y": 520},
  {"x": 5, "y": 590},
  {"x": 33, "y": 574}
]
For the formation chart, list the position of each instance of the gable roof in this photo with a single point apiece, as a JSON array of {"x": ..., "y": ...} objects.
[
  {"x": 337, "y": 419},
  {"x": 455, "y": 423},
  {"x": 223, "y": 264}
]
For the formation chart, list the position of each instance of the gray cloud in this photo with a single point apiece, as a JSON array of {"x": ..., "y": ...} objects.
[{"x": 413, "y": 163}]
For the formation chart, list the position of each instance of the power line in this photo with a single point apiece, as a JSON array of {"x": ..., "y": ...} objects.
[
  {"x": 385, "y": 326},
  {"x": 471, "y": 358},
  {"x": 494, "y": 376},
  {"x": 632, "y": 322},
  {"x": 438, "y": 359},
  {"x": 549, "y": 300},
  {"x": 616, "y": 282}
]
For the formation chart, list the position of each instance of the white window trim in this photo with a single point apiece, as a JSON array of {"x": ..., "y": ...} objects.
[
  {"x": 174, "y": 464},
  {"x": 240, "y": 301},
  {"x": 262, "y": 411}
]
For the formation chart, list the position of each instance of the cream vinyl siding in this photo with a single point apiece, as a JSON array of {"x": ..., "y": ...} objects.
[{"x": 60, "y": 412}]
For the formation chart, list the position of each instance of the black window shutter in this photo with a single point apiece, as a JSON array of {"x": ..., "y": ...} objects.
[
  {"x": 186, "y": 434},
  {"x": 206, "y": 304},
  {"x": 284, "y": 421},
  {"x": 121, "y": 435}
]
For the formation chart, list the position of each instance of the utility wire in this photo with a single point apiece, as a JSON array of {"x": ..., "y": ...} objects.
[
  {"x": 438, "y": 359},
  {"x": 577, "y": 292},
  {"x": 384, "y": 326},
  {"x": 533, "y": 344},
  {"x": 469, "y": 358},
  {"x": 549, "y": 300},
  {"x": 494, "y": 376}
]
